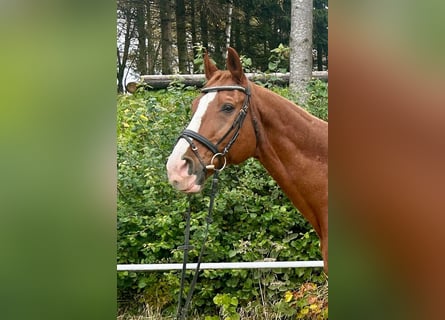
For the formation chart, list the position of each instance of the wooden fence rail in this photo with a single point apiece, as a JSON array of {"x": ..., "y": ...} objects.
[{"x": 163, "y": 81}]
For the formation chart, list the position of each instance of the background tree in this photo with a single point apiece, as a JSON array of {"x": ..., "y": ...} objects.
[
  {"x": 229, "y": 24},
  {"x": 301, "y": 47},
  {"x": 154, "y": 37},
  {"x": 203, "y": 25},
  {"x": 320, "y": 32},
  {"x": 141, "y": 36},
  {"x": 193, "y": 29},
  {"x": 165, "y": 8},
  {"x": 125, "y": 34},
  {"x": 181, "y": 36}
]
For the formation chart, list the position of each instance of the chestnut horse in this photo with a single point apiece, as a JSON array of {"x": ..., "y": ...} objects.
[{"x": 289, "y": 142}]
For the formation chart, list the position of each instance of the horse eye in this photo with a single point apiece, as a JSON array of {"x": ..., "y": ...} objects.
[{"x": 227, "y": 108}]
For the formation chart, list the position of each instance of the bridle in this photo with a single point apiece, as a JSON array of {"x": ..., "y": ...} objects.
[{"x": 190, "y": 135}]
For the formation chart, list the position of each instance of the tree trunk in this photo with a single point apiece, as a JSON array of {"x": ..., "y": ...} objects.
[
  {"x": 141, "y": 63},
  {"x": 204, "y": 26},
  {"x": 246, "y": 31},
  {"x": 228, "y": 26},
  {"x": 218, "y": 43},
  {"x": 181, "y": 36},
  {"x": 193, "y": 30},
  {"x": 237, "y": 35},
  {"x": 151, "y": 52},
  {"x": 123, "y": 58},
  {"x": 319, "y": 57},
  {"x": 165, "y": 9},
  {"x": 301, "y": 47},
  {"x": 120, "y": 73}
]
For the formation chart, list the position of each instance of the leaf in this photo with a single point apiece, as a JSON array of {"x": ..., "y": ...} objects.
[
  {"x": 232, "y": 253},
  {"x": 312, "y": 299},
  {"x": 313, "y": 307},
  {"x": 288, "y": 296},
  {"x": 290, "y": 237},
  {"x": 142, "y": 284},
  {"x": 217, "y": 299},
  {"x": 226, "y": 300},
  {"x": 304, "y": 311},
  {"x": 272, "y": 65}
]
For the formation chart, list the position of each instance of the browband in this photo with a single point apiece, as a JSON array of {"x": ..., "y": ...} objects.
[{"x": 220, "y": 88}]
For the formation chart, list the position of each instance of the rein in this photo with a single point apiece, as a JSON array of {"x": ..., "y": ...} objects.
[
  {"x": 189, "y": 136},
  {"x": 182, "y": 310}
]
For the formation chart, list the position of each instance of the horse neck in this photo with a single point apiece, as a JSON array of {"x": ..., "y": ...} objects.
[{"x": 292, "y": 143}]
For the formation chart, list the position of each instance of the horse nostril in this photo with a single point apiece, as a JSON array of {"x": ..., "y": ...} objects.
[{"x": 188, "y": 163}]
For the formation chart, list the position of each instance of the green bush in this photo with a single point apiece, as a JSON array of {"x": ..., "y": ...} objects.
[{"x": 253, "y": 219}]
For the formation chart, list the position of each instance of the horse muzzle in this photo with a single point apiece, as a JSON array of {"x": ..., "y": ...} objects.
[{"x": 181, "y": 177}]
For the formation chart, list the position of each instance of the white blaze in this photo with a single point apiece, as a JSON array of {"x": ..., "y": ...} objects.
[
  {"x": 175, "y": 162},
  {"x": 195, "y": 124}
]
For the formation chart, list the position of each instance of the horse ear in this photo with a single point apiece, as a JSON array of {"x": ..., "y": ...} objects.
[
  {"x": 234, "y": 65},
  {"x": 209, "y": 67}
]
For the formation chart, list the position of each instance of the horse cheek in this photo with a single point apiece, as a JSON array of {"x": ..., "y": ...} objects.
[{"x": 243, "y": 151}]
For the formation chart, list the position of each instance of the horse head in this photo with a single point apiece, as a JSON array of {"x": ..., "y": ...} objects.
[{"x": 217, "y": 134}]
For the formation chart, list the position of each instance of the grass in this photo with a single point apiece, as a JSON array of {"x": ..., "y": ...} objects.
[
  {"x": 247, "y": 313},
  {"x": 308, "y": 302}
]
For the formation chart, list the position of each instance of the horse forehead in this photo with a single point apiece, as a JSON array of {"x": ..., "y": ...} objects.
[{"x": 201, "y": 109}]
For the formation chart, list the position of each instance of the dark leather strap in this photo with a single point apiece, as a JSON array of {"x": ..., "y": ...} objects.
[
  {"x": 222, "y": 88},
  {"x": 200, "y": 138}
]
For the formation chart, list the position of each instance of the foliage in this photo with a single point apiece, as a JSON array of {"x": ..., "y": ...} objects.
[
  {"x": 253, "y": 219},
  {"x": 279, "y": 59},
  {"x": 228, "y": 305},
  {"x": 199, "y": 58},
  {"x": 318, "y": 99},
  {"x": 246, "y": 62},
  {"x": 317, "y": 103},
  {"x": 278, "y": 63},
  {"x": 310, "y": 301}
]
